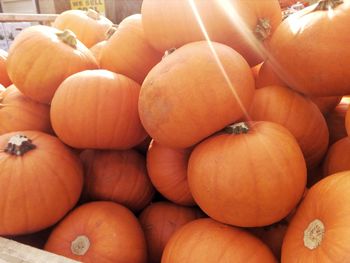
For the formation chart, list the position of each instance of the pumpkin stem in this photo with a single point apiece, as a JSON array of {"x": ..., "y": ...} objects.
[
  {"x": 313, "y": 234},
  {"x": 262, "y": 29},
  {"x": 19, "y": 145},
  {"x": 168, "y": 52},
  {"x": 324, "y": 5},
  {"x": 80, "y": 245},
  {"x": 111, "y": 31},
  {"x": 237, "y": 128},
  {"x": 93, "y": 14},
  {"x": 68, "y": 37}
]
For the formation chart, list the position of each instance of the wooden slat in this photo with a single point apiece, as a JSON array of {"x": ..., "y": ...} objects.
[
  {"x": 14, "y": 252},
  {"x": 14, "y": 17}
]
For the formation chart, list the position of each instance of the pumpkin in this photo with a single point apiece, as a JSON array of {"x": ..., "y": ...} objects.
[
  {"x": 243, "y": 177},
  {"x": 336, "y": 122},
  {"x": 243, "y": 25},
  {"x": 119, "y": 176},
  {"x": 103, "y": 232},
  {"x": 40, "y": 181},
  {"x": 298, "y": 114},
  {"x": 167, "y": 169},
  {"x": 89, "y": 26},
  {"x": 110, "y": 118},
  {"x": 127, "y": 51},
  {"x": 326, "y": 104},
  {"x": 338, "y": 157},
  {"x": 187, "y": 96},
  {"x": 205, "y": 240},
  {"x": 309, "y": 51},
  {"x": 160, "y": 221},
  {"x": 17, "y": 113},
  {"x": 97, "y": 49},
  {"x": 39, "y": 57},
  {"x": 4, "y": 78},
  {"x": 319, "y": 230}
]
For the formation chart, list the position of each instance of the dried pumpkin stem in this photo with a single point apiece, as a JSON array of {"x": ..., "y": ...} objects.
[
  {"x": 93, "y": 14},
  {"x": 237, "y": 128},
  {"x": 19, "y": 145},
  {"x": 68, "y": 37},
  {"x": 324, "y": 5},
  {"x": 111, "y": 31},
  {"x": 168, "y": 52},
  {"x": 80, "y": 245},
  {"x": 313, "y": 234},
  {"x": 262, "y": 29}
]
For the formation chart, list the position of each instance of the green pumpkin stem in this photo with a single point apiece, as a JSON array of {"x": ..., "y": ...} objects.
[
  {"x": 237, "y": 128},
  {"x": 93, "y": 14},
  {"x": 19, "y": 145},
  {"x": 262, "y": 29},
  {"x": 68, "y": 37},
  {"x": 80, "y": 245},
  {"x": 324, "y": 5}
]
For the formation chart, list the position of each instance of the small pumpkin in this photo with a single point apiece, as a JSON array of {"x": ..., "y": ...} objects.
[
  {"x": 40, "y": 181},
  {"x": 205, "y": 240},
  {"x": 321, "y": 224},
  {"x": 243, "y": 177},
  {"x": 243, "y": 25},
  {"x": 39, "y": 57},
  {"x": 127, "y": 52},
  {"x": 17, "y": 113},
  {"x": 167, "y": 169},
  {"x": 89, "y": 26},
  {"x": 103, "y": 232},
  {"x": 298, "y": 114},
  {"x": 119, "y": 176},
  {"x": 336, "y": 122},
  {"x": 110, "y": 118},
  {"x": 338, "y": 157},
  {"x": 187, "y": 96},
  {"x": 159, "y": 221},
  {"x": 4, "y": 78}
]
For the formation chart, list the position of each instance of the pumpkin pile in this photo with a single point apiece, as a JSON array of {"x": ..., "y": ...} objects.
[{"x": 196, "y": 131}]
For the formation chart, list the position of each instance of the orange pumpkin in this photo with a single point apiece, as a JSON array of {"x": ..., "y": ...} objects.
[
  {"x": 243, "y": 25},
  {"x": 4, "y": 78},
  {"x": 338, "y": 157},
  {"x": 319, "y": 230},
  {"x": 160, "y": 221},
  {"x": 41, "y": 57},
  {"x": 97, "y": 49},
  {"x": 119, "y": 176},
  {"x": 103, "y": 232},
  {"x": 110, "y": 118},
  {"x": 205, "y": 240},
  {"x": 127, "y": 51},
  {"x": 17, "y": 113},
  {"x": 187, "y": 96},
  {"x": 247, "y": 179},
  {"x": 167, "y": 169},
  {"x": 336, "y": 122},
  {"x": 89, "y": 26},
  {"x": 298, "y": 114},
  {"x": 314, "y": 69},
  {"x": 41, "y": 180}
]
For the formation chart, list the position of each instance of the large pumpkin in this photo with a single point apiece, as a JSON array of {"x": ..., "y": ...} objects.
[
  {"x": 336, "y": 122},
  {"x": 298, "y": 114},
  {"x": 103, "y": 232},
  {"x": 4, "y": 78},
  {"x": 242, "y": 25},
  {"x": 41, "y": 57},
  {"x": 205, "y": 240},
  {"x": 127, "y": 51},
  {"x": 17, "y": 113},
  {"x": 119, "y": 176},
  {"x": 40, "y": 181},
  {"x": 248, "y": 179},
  {"x": 89, "y": 26},
  {"x": 338, "y": 157},
  {"x": 167, "y": 169},
  {"x": 320, "y": 228},
  {"x": 309, "y": 49},
  {"x": 102, "y": 111},
  {"x": 160, "y": 221},
  {"x": 193, "y": 92}
]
